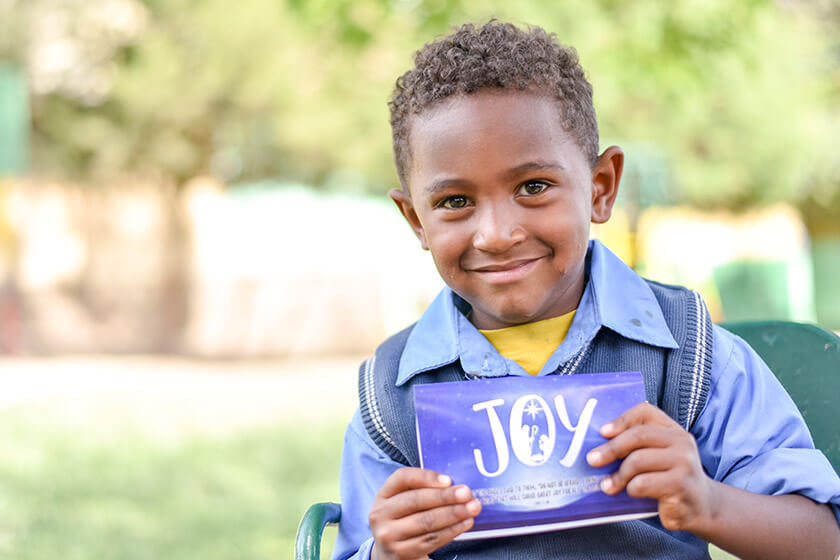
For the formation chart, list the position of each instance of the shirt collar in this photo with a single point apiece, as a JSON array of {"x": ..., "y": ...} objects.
[
  {"x": 624, "y": 301},
  {"x": 615, "y": 297}
]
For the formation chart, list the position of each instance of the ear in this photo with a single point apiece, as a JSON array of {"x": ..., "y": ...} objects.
[
  {"x": 403, "y": 202},
  {"x": 605, "y": 178}
]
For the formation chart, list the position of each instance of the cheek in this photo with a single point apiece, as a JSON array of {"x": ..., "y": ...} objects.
[
  {"x": 446, "y": 238},
  {"x": 569, "y": 239},
  {"x": 444, "y": 253},
  {"x": 579, "y": 217},
  {"x": 568, "y": 230},
  {"x": 448, "y": 246},
  {"x": 447, "y": 250},
  {"x": 446, "y": 267}
]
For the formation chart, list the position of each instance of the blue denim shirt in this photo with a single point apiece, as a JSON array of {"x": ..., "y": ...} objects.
[{"x": 749, "y": 434}]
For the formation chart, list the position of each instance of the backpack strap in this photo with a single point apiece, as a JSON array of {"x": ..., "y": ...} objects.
[
  {"x": 686, "y": 385},
  {"x": 387, "y": 410},
  {"x": 696, "y": 363},
  {"x": 374, "y": 371}
]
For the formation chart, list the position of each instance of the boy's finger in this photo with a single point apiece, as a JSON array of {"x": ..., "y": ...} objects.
[
  {"x": 422, "y": 499},
  {"x": 431, "y": 521},
  {"x": 643, "y": 413},
  {"x": 655, "y": 485},
  {"x": 635, "y": 437},
  {"x": 408, "y": 478},
  {"x": 635, "y": 464},
  {"x": 429, "y": 542}
]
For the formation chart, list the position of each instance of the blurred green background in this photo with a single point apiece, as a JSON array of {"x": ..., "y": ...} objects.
[
  {"x": 741, "y": 97},
  {"x": 78, "y": 494},
  {"x": 204, "y": 181}
]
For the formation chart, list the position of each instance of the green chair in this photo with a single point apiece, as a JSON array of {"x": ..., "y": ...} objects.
[
  {"x": 805, "y": 358},
  {"x": 318, "y": 516}
]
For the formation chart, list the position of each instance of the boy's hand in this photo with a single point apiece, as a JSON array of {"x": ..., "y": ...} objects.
[
  {"x": 661, "y": 462},
  {"x": 418, "y": 511}
]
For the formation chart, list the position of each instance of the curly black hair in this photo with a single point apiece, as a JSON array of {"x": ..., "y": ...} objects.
[{"x": 494, "y": 56}]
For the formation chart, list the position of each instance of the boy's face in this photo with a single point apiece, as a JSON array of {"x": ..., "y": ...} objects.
[{"x": 502, "y": 196}]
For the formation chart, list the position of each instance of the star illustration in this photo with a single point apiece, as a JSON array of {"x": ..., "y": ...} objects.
[{"x": 533, "y": 409}]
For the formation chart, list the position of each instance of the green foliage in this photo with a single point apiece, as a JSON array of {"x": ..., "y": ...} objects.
[
  {"x": 743, "y": 98},
  {"x": 81, "y": 493}
]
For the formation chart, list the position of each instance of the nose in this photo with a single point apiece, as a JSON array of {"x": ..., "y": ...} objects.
[{"x": 498, "y": 229}]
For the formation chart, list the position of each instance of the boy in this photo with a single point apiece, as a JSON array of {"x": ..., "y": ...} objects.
[{"x": 496, "y": 145}]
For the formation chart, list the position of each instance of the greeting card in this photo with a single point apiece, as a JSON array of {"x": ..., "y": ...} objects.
[{"x": 520, "y": 444}]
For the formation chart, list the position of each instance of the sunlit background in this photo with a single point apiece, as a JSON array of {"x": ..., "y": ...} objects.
[{"x": 196, "y": 249}]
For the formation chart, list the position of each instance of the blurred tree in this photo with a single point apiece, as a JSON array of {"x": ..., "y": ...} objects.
[
  {"x": 742, "y": 97},
  {"x": 821, "y": 207}
]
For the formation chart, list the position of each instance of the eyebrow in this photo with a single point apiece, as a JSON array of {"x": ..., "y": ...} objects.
[
  {"x": 442, "y": 185},
  {"x": 538, "y": 165}
]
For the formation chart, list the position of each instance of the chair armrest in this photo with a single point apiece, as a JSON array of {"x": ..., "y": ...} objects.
[{"x": 308, "y": 541}]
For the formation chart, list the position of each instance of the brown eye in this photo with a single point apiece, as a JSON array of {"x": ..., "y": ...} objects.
[
  {"x": 532, "y": 188},
  {"x": 454, "y": 202}
]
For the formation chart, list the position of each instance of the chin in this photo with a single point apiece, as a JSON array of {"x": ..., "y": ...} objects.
[{"x": 516, "y": 316}]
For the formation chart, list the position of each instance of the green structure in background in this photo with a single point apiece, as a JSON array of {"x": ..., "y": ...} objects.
[
  {"x": 753, "y": 290},
  {"x": 826, "y": 254},
  {"x": 14, "y": 120}
]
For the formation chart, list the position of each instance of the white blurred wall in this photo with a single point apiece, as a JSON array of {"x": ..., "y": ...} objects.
[{"x": 292, "y": 271}]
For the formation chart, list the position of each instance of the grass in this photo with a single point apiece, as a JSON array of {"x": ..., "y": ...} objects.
[{"x": 75, "y": 493}]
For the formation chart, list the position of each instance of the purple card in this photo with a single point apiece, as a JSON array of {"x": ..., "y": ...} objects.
[{"x": 520, "y": 444}]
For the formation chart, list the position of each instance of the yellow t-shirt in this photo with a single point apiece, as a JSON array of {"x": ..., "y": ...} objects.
[{"x": 531, "y": 344}]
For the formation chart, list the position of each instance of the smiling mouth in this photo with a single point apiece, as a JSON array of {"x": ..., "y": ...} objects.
[{"x": 504, "y": 273}]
